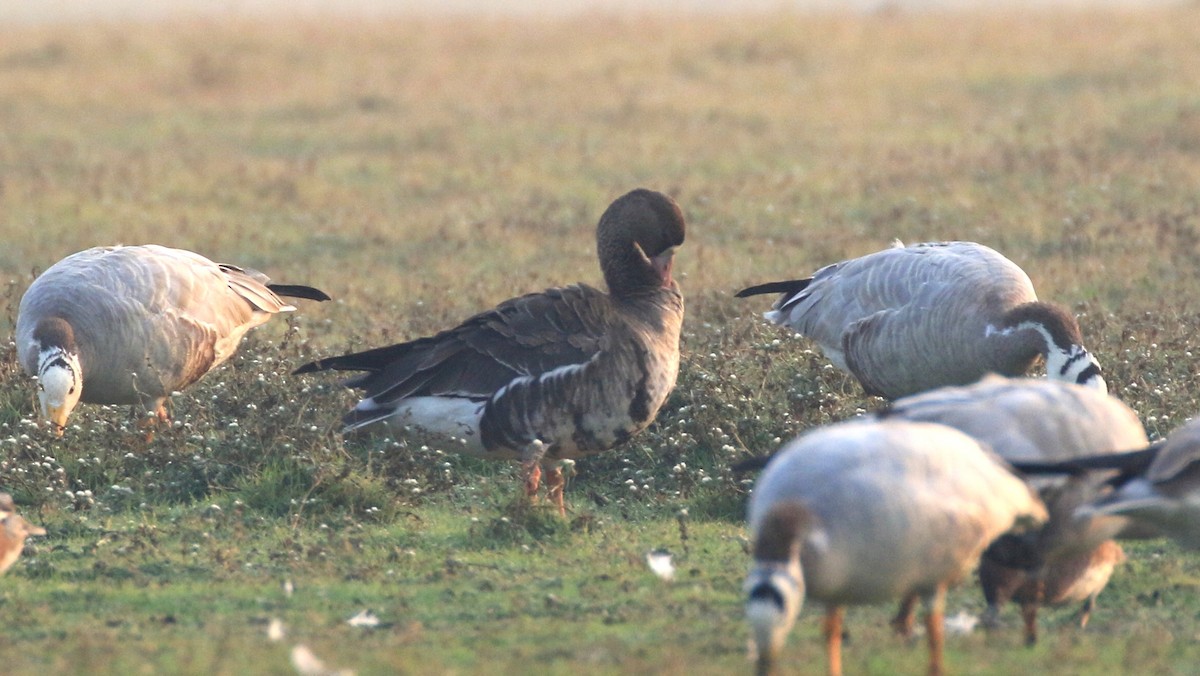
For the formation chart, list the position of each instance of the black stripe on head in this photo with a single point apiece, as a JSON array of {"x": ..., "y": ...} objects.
[
  {"x": 59, "y": 359},
  {"x": 1076, "y": 356},
  {"x": 1060, "y": 324},
  {"x": 765, "y": 591},
  {"x": 1087, "y": 374}
]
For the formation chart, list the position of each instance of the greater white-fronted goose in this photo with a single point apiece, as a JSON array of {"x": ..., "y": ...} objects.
[
  {"x": 1071, "y": 578},
  {"x": 13, "y": 531},
  {"x": 1037, "y": 420},
  {"x": 132, "y": 324},
  {"x": 1157, "y": 489},
  {"x": 563, "y": 373},
  {"x": 867, "y": 512},
  {"x": 909, "y": 319}
]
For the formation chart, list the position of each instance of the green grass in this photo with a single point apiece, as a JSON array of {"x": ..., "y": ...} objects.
[{"x": 420, "y": 170}]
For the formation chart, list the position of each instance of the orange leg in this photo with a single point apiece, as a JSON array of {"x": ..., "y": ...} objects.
[
  {"x": 833, "y": 637},
  {"x": 1085, "y": 613},
  {"x": 554, "y": 488},
  {"x": 902, "y": 623},
  {"x": 531, "y": 472},
  {"x": 934, "y": 626}
]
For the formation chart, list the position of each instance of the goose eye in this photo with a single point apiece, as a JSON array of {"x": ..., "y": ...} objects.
[{"x": 72, "y": 390}]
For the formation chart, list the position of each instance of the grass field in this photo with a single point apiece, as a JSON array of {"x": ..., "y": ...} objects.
[{"x": 420, "y": 170}]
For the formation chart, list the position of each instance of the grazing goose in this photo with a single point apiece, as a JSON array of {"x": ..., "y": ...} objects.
[
  {"x": 1157, "y": 488},
  {"x": 132, "y": 324},
  {"x": 866, "y": 512},
  {"x": 1073, "y": 578},
  {"x": 1024, "y": 420},
  {"x": 559, "y": 374},
  {"x": 13, "y": 530},
  {"x": 909, "y": 319}
]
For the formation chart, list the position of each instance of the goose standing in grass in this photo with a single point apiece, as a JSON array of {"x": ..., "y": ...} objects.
[
  {"x": 1037, "y": 420},
  {"x": 132, "y": 324},
  {"x": 1157, "y": 488},
  {"x": 911, "y": 318},
  {"x": 13, "y": 531},
  {"x": 866, "y": 512},
  {"x": 560, "y": 374}
]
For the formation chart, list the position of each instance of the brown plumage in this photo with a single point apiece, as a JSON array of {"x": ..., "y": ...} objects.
[
  {"x": 132, "y": 324},
  {"x": 13, "y": 531},
  {"x": 909, "y": 319},
  {"x": 558, "y": 374},
  {"x": 1077, "y": 577},
  {"x": 865, "y": 512},
  {"x": 1025, "y": 420}
]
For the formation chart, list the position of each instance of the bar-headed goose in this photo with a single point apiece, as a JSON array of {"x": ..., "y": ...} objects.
[
  {"x": 559, "y": 374},
  {"x": 866, "y": 512},
  {"x": 132, "y": 324},
  {"x": 13, "y": 531},
  {"x": 1037, "y": 420},
  {"x": 1157, "y": 488},
  {"x": 909, "y": 319}
]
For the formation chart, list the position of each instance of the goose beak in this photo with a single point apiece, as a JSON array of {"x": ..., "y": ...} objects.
[
  {"x": 662, "y": 265},
  {"x": 57, "y": 415}
]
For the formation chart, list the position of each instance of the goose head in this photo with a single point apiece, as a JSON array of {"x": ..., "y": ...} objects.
[
  {"x": 774, "y": 587},
  {"x": 636, "y": 240},
  {"x": 1066, "y": 357},
  {"x": 60, "y": 375}
]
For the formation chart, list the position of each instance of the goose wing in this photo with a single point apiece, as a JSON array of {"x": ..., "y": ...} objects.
[{"x": 526, "y": 336}]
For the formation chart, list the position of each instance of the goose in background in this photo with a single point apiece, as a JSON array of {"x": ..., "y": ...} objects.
[
  {"x": 132, "y": 324},
  {"x": 554, "y": 375},
  {"x": 866, "y": 512},
  {"x": 13, "y": 531},
  {"x": 912, "y": 318},
  {"x": 1037, "y": 420},
  {"x": 1157, "y": 488}
]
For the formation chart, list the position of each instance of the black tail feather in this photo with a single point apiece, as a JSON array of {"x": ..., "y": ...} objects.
[
  {"x": 788, "y": 287},
  {"x": 369, "y": 360},
  {"x": 299, "y": 291},
  {"x": 1129, "y": 463}
]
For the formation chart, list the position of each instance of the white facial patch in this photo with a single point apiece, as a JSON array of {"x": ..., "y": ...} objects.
[{"x": 56, "y": 383}]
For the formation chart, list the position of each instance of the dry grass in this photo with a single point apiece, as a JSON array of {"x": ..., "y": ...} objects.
[{"x": 421, "y": 170}]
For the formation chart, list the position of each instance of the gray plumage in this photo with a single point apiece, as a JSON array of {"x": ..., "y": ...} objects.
[
  {"x": 1164, "y": 495},
  {"x": 142, "y": 322},
  {"x": 559, "y": 374},
  {"x": 866, "y": 512},
  {"x": 1035, "y": 420},
  {"x": 909, "y": 319}
]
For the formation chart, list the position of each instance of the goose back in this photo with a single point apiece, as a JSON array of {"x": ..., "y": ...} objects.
[
  {"x": 899, "y": 507},
  {"x": 147, "y": 320},
  {"x": 1029, "y": 419},
  {"x": 911, "y": 318}
]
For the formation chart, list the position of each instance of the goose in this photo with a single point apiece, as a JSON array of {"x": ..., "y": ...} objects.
[
  {"x": 864, "y": 512},
  {"x": 912, "y": 318},
  {"x": 547, "y": 376},
  {"x": 13, "y": 531},
  {"x": 132, "y": 324},
  {"x": 1073, "y": 578},
  {"x": 1157, "y": 488},
  {"x": 1036, "y": 420}
]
